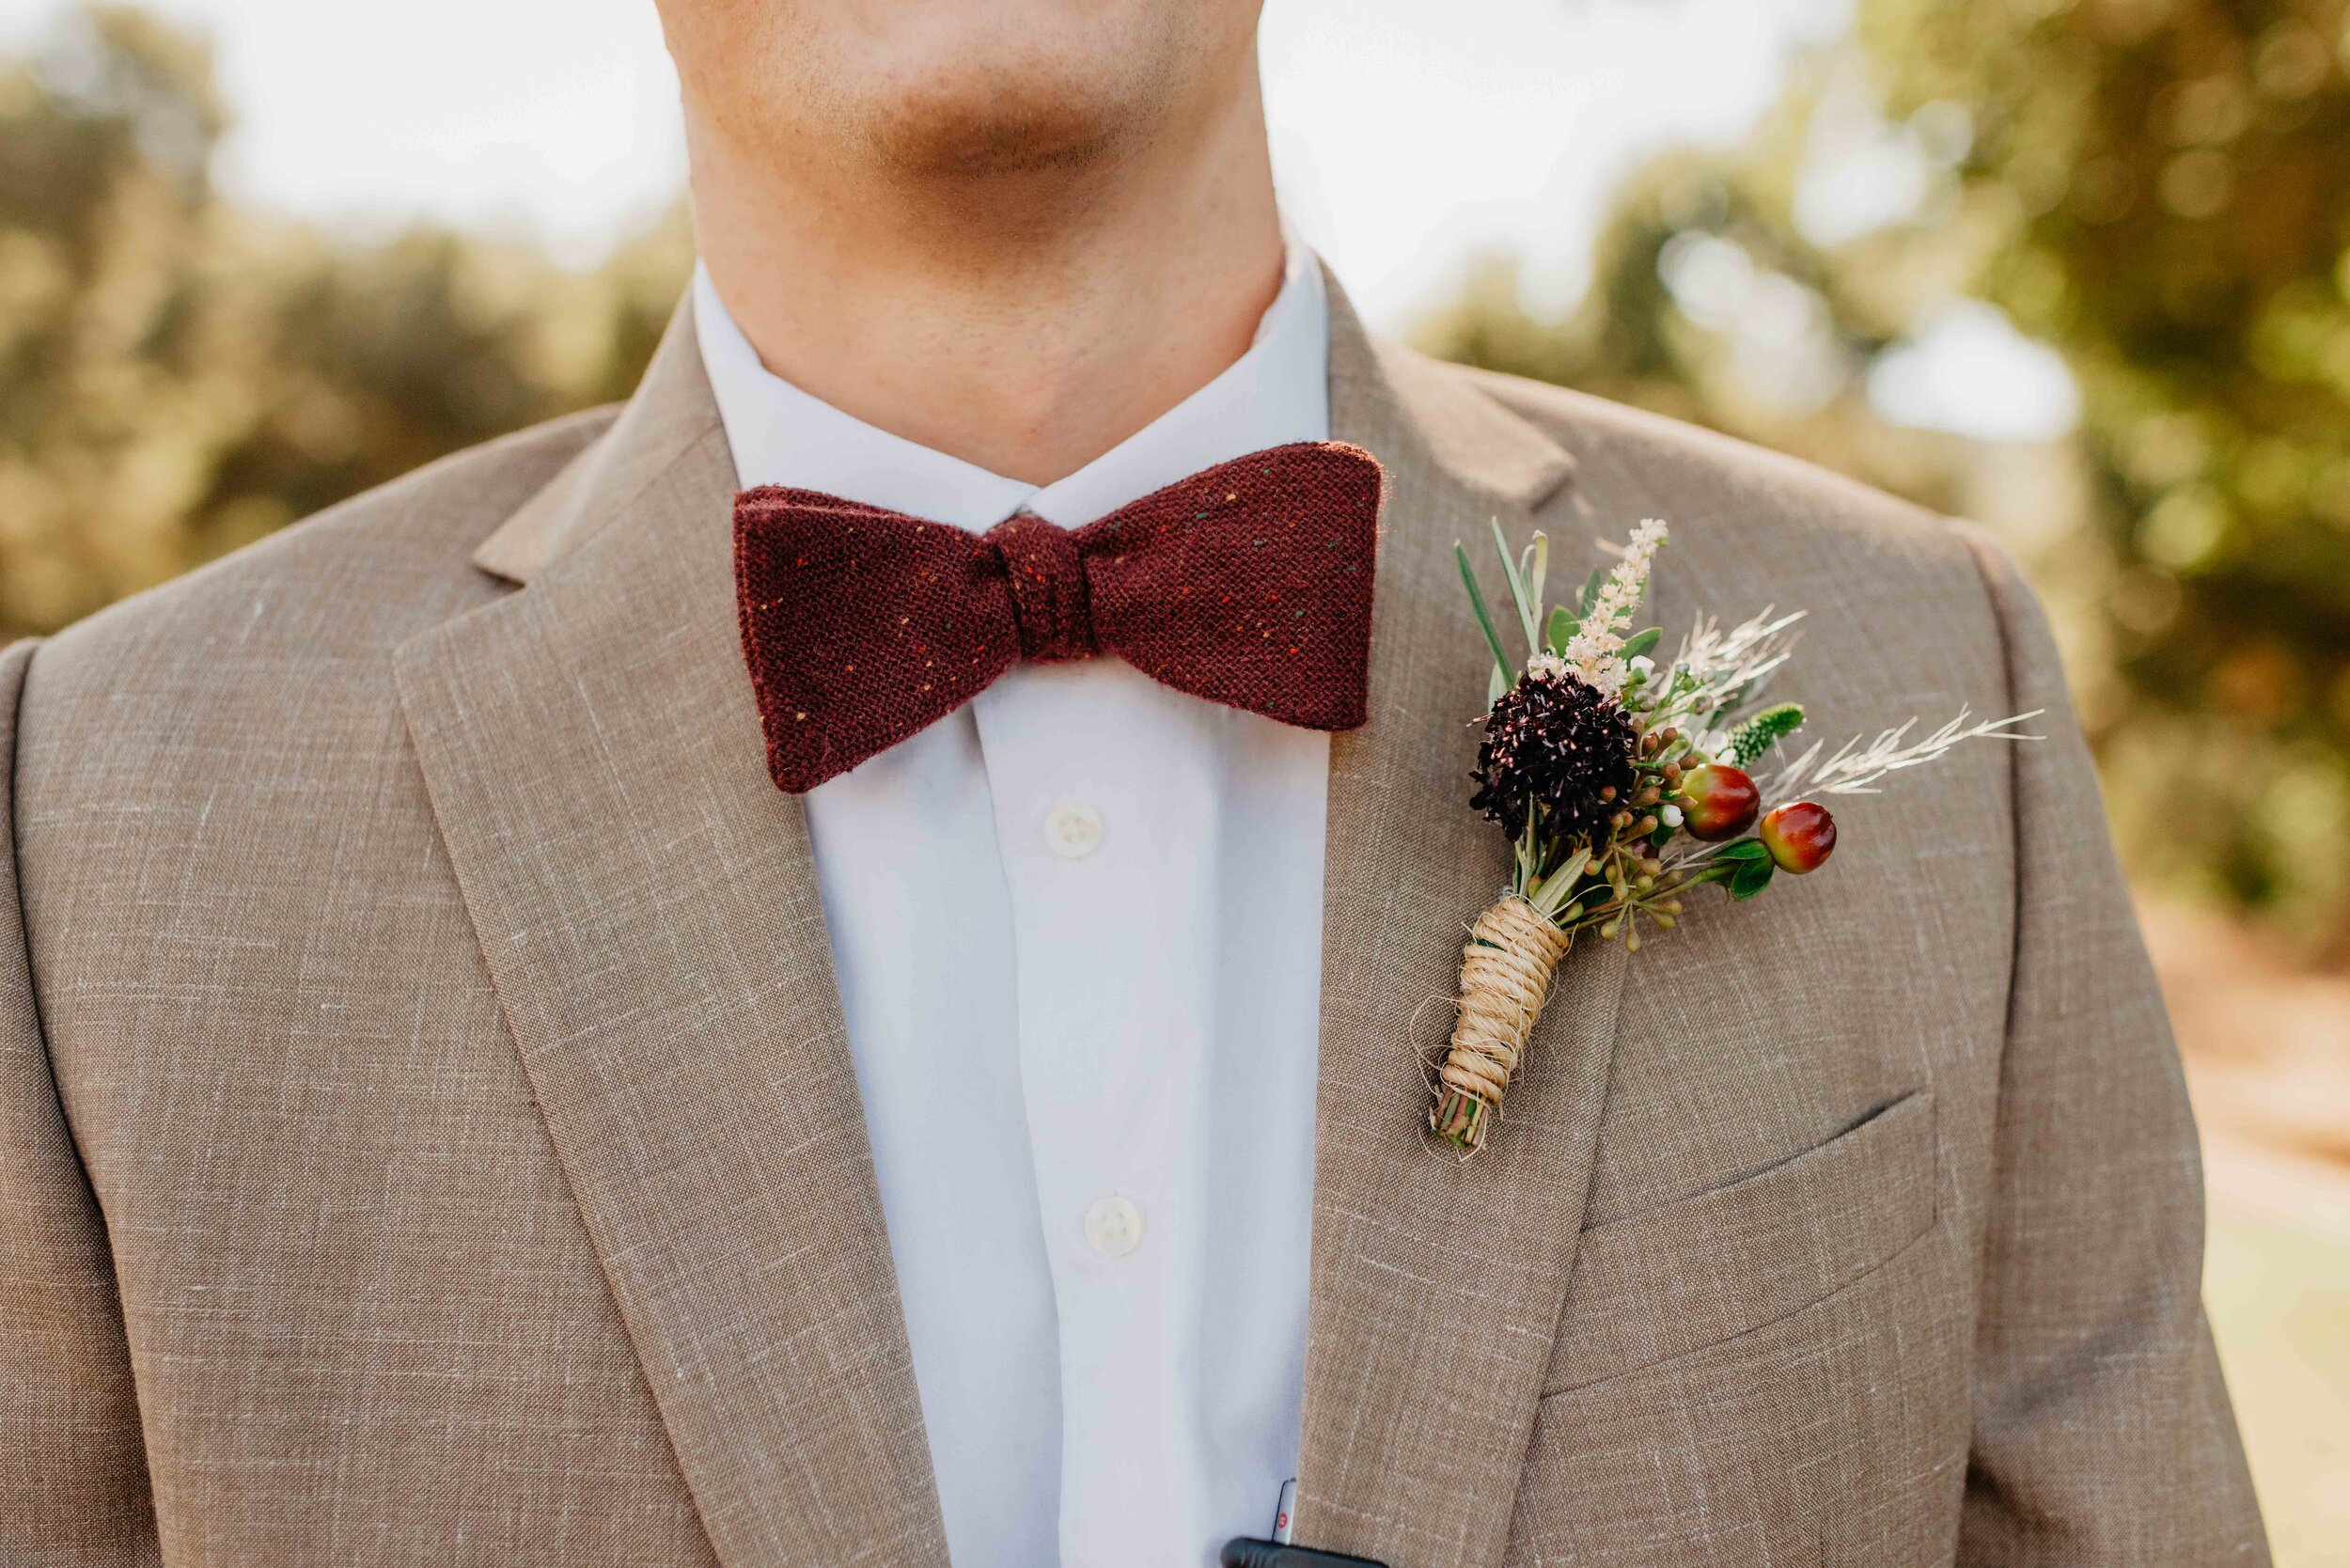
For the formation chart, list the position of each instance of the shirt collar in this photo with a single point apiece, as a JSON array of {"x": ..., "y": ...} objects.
[{"x": 1275, "y": 392}]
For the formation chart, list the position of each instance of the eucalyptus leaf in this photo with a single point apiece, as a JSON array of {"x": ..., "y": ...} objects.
[
  {"x": 1563, "y": 627},
  {"x": 1591, "y": 592},
  {"x": 1641, "y": 642}
]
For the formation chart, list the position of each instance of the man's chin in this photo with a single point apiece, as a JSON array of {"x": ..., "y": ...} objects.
[{"x": 980, "y": 129}]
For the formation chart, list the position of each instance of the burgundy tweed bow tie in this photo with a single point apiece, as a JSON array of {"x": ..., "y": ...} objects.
[{"x": 1247, "y": 583}]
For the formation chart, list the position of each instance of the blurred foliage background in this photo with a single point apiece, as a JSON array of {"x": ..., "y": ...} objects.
[
  {"x": 2158, "y": 191},
  {"x": 179, "y": 377}
]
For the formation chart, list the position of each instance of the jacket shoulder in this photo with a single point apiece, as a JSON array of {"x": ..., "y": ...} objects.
[
  {"x": 290, "y": 634},
  {"x": 365, "y": 573},
  {"x": 1893, "y": 585},
  {"x": 1608, "y": 436}
]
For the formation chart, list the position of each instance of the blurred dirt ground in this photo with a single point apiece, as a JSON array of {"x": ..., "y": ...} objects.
[{"x": 2268, "y": 1053}]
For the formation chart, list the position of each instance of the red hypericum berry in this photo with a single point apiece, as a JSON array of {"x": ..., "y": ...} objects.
[
  {"x": 1717, "y": 801},
  {"x": 1800, "y": 836}
]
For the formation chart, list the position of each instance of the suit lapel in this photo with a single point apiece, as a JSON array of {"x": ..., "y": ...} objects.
[
  {"x": 1437, "y": 1284},
  {"x": 648, "y": 907}
]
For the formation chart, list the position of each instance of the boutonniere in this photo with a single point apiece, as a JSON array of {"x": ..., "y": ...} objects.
[{"x": 1626, "y": 785}]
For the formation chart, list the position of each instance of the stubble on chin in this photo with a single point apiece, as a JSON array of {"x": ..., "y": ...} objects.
[{"x": 1019, "y": 125}]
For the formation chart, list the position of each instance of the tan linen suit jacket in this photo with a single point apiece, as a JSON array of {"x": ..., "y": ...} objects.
[{"x": 427, "y": 1133}]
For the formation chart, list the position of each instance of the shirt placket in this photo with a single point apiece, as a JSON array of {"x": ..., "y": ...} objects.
[{"x": 1106, "y": 816}]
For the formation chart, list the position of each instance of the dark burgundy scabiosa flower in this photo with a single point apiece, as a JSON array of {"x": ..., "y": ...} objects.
[{"x": 1555, "y": 741}]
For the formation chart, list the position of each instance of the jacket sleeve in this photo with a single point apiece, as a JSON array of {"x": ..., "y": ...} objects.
[
  {"x": 72, "y": 1474},
  {"x": 2102, "y": 1428}
]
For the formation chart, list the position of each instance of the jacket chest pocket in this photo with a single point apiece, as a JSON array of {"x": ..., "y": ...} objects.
[{"x": 1671, "y": 1281}]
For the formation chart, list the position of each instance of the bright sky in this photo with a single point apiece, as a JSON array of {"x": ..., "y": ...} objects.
[{"x": 1408, "y": 136}]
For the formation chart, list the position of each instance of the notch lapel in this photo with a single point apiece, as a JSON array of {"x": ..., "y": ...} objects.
[
  {"x": 646, "y": 901},
  {"x": 1438, "y": 1284}
]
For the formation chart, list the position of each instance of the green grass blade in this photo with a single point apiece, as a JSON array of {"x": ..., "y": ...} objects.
[
  {"x": 1517, "y": 585},
  {"x": 1477, "y": 603}
]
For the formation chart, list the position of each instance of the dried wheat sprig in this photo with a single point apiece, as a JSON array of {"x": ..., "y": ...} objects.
[
  {"x": 1854, "y": 767},
  {"x": 1718, "y": 672}
]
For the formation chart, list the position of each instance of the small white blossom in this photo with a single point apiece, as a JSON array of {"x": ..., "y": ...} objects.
[
  {"x": 1670, "y": 815},
  {"x": 1547, "y": 664}
]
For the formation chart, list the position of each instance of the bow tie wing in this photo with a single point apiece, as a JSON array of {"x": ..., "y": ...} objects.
[
  {"x": 862, "y": 626},
  {"x": 1248, "y": 584}
]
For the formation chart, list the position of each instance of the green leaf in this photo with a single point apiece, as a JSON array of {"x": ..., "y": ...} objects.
[
  {"x": 1563, "y": 629},
  {"x": 1495, "y": 687},
  {"x": 1485, "y": 618},
  {"x": 1640, "y": 642},
  {"x": 1591, "y": 592},
  {"x": 1744, "y": 849},
  {"x": 1518, "y": 584},
  {"x": 1560, "y": 883},
  {"x": 1750, "y": 878},
  {"x": 1764, "y": 730}
]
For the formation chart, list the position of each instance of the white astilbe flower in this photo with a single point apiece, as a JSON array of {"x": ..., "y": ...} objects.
[
  {"x": 1547, "y": 665},
  {"x": 1592, "y": 648},
  {"x": 1853, "y": 768}
]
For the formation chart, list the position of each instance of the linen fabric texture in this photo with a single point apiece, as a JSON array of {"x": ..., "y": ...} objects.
[
  {"x": 425, "y": 1132},
  {"x": 1248, "y": 584}
]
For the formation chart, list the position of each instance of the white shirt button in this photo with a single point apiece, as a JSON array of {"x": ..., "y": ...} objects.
[
  {"x": 1072, "y": 830},
  {"x": 1114, "y": 1226}
]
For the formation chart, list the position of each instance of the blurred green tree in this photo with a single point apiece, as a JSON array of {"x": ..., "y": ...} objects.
[
  {"x": 179, "y": 376},
  {"x": 2158, "y": 190}
]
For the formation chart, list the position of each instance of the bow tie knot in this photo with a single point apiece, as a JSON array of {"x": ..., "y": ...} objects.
[
  {"x": 1248, "y": 585},
  {"x": 1050, "y": 602}
]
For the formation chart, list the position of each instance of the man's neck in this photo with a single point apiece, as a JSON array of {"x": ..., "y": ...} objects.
[{"x": 1027, "y": 321}]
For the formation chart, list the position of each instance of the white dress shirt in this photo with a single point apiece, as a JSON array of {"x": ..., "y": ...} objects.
[{"x": 1077, "y": 928}]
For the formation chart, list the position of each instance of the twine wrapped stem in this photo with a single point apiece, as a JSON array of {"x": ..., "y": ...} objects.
[{"x": 1505, "y": 972}]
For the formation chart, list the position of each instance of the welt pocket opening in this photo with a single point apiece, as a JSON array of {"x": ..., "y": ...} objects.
[{"x": 1667, "y": 1281}]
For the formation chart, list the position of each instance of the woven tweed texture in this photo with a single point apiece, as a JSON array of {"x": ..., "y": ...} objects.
[{"x": 1248, "y": 584}]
